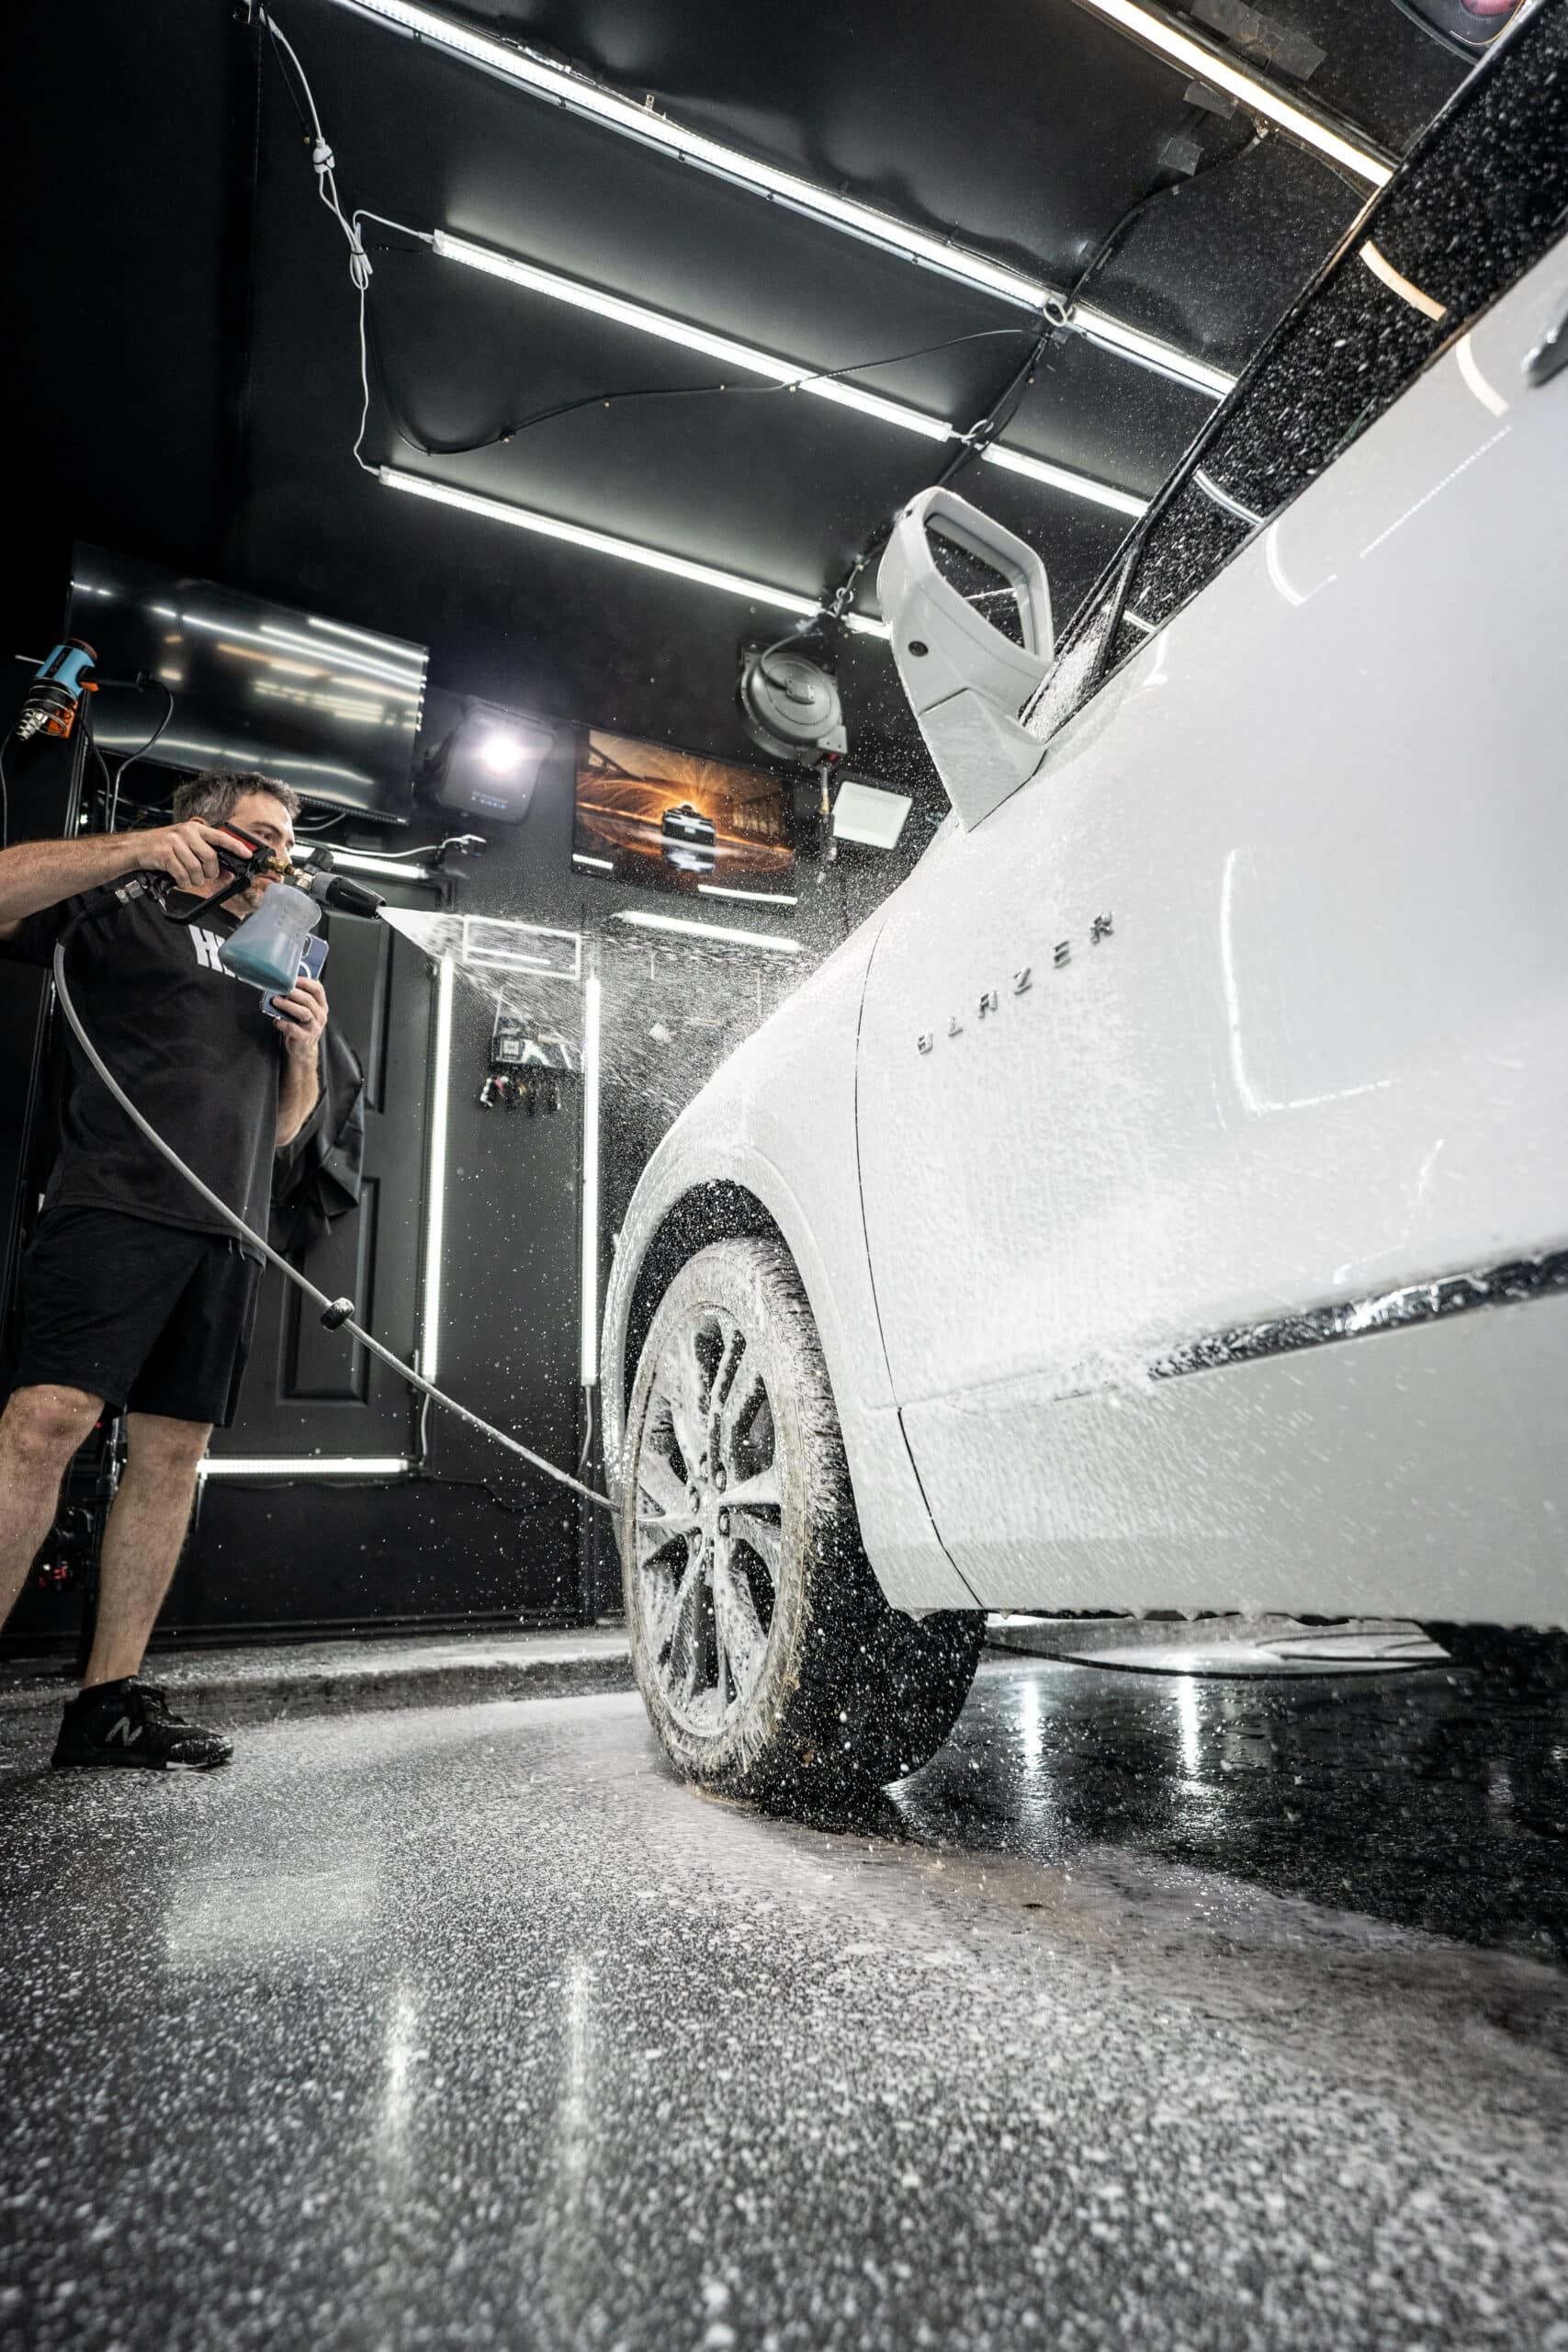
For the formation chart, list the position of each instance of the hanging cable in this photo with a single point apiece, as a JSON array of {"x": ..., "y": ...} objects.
[
  {"x": 600, "y": 400},
  {"x": 324, "y": 165},
  {"x": 140, "y": 753},
  {"x": 1111, "y": 242}
]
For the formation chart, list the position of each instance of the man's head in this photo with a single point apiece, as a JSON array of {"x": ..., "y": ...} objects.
[{"x": 252, "y": 802}]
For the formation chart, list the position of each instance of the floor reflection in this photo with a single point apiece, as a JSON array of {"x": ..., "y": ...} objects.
[{"x": 1433, "y": 1799}]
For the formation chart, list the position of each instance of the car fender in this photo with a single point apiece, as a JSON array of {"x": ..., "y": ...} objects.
[{"x": 777, "y": 1124}]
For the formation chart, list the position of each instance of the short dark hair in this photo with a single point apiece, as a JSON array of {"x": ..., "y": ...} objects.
[{"x": 215, "y": 793}]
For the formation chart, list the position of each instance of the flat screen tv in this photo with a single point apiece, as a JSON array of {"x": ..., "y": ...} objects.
[
  {"x": 332, "y": 710},
  {"x": 650, "y": 814}
]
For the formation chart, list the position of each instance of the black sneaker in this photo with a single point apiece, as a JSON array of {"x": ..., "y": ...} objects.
[{"x": 129, "y": 1722}]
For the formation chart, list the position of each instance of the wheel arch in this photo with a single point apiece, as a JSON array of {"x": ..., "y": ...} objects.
[{"x": 717, "y": 1209}]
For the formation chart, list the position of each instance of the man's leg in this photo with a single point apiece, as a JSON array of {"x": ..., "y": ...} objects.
[
  {"x": 39, "y": 1430},
  {"x": 141, "y": 1543}
]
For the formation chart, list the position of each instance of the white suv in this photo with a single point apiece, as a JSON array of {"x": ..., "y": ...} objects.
[{"x": 1162, "y": 1202}]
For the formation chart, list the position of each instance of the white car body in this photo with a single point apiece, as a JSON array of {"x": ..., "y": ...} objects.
[{"x": 1111, "y": 1265}]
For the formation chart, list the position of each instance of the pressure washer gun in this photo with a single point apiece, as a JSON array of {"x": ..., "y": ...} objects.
[
  {"x": 266, "y": 948},
  {"x": 55, "y": 690}
]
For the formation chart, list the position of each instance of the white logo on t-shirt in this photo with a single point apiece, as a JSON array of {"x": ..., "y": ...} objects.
[{"x": 207, "y": 944}]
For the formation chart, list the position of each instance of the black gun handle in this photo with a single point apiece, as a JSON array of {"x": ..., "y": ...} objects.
[{"x": 199, "y": 906}]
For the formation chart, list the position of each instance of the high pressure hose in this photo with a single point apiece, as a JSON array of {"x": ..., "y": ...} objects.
[{"x": 336, "y": 1314}]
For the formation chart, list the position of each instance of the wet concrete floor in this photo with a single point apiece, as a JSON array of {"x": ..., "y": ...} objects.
[{"x": 1154, "y": 2013}]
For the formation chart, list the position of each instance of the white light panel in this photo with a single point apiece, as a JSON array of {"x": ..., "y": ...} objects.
[{"x": 863, "y": 813}]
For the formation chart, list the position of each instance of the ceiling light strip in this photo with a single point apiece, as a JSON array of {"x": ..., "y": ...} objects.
[
  {"x": 550, "y": 526},
  {"x": 1306, "y": 125},
  {"x": 729, "y": 353},
  {"x": 769, "y": 940},
  {"x": 556, "y": 83}
]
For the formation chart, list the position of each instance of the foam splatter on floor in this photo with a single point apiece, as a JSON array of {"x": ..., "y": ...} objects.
[{"x": 468, "y": 2026}]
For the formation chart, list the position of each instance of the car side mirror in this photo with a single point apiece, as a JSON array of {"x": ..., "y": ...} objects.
[{"x": 968, "y": 677}]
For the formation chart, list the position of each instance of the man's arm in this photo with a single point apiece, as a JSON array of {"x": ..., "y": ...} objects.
[
  {"x": 301, "y": 1015},
  {"x": 36, "y": 875}
]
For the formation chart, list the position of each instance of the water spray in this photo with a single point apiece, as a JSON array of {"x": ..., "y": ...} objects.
[{"x": 243, "y": 863}]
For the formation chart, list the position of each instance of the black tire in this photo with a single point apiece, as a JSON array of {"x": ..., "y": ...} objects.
[
  {"x": 849, "y": 1693},
  {"x": 1506, "y": 1659}
]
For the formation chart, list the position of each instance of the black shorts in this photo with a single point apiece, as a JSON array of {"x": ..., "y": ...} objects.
[{"x": 146, "y": 1316}]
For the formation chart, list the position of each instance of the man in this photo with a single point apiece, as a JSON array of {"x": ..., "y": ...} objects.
[{"x": 133, "y": 1293}]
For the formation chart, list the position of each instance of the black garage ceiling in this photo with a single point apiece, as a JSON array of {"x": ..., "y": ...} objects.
[{"x": 191, "y": 362}]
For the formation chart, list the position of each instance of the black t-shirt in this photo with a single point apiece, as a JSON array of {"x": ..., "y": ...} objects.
[{"x": 191, "y": 1047}]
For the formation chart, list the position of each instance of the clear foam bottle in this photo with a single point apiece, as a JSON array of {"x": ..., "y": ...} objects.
[{"x": 266, "y": 948}]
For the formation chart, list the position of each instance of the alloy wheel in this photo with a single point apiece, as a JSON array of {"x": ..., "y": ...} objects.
[{"x": 709, "y": 1512}]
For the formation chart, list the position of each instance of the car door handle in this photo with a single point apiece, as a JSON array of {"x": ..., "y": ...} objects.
[{"x": 1550, "y": 353}]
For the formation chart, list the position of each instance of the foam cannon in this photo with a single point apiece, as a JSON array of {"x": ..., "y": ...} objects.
[{"x": 266, "y": 948}]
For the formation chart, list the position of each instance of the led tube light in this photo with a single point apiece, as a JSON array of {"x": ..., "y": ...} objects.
[
  {"x": 1098, "y": 493},
  {"x": 435, "y": 1190},
  {"x": 1303, "y": 124},
  {"x": 307, "y": 1465},
  {"x": 578, "y": 535},
  {"x": 756, "y": 898},
  {"x": 668, "y": 329},
  {"x": 754, "y": 361},
  {"x": 542, "y": 79},
  {"x": 590, "y": 1281},
  {"x": 363, "y": 862},
  {"x": 767, "y": 939}
]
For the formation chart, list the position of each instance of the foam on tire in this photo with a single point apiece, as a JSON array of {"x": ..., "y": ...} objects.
[{"x": 852, "y": 1694}]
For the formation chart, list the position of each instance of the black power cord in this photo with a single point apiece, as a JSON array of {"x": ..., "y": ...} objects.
[
  {"x": 140, "y": 753},
  {"x": 600, "y": 400}
]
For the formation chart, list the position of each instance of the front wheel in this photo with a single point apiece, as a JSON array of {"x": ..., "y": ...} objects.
[{"x": 770, "y": 1662}]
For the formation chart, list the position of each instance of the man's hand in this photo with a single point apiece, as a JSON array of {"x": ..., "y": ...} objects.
[
  {"x": 302, "y": 1015},
  {"x": 183, "y": 853}
]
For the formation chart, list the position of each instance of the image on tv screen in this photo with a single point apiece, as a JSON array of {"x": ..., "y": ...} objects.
[
  {"x": 675, "y": 818},
  {"x": 332, "y": 710}
]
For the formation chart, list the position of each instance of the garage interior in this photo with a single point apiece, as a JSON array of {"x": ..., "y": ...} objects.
[{"x": 586, "y": 351}]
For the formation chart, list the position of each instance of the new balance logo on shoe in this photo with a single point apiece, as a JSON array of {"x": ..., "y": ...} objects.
[
  {"x": 206, "y": 944},
  {"x": 125, "y": 1731}
]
